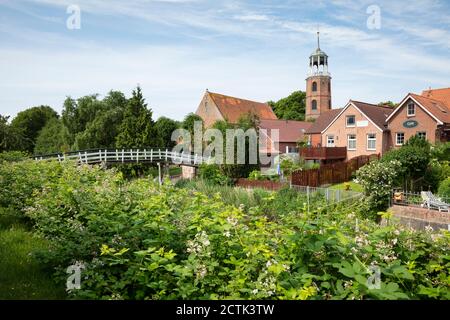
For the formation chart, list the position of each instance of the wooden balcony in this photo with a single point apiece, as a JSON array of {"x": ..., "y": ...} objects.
[{"x": 323, "y": 153}]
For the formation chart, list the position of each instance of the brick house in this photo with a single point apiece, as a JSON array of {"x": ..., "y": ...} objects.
[
  {"x": 359, "y": 127},
  {"x": 426, "y": 115},
  {"x": 214, "y": 107},
  {"x": 289, "y": 133}
]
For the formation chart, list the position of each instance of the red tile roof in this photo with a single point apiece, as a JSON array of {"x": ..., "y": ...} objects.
[
  {"x": 442, "y": 95},
  {"x": 233, "y": 108},
  {"x": 323, "y": 121},
  {"x": 378, "y": 114},
  {"x": 437, "y": 108},
  {"x": 289, "y": 130}
]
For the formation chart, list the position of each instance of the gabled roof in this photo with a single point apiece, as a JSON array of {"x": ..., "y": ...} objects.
[
  {"x": 438, "y": 110},
  {"x": 233, "y": 108},
  {"x": 378, "y": 114},
  {"x": 374, "y": 113},
  {"x": 289, "y": 130},
  {"x": 442, "y": 95},
  {"x": 323, "y": 121}
]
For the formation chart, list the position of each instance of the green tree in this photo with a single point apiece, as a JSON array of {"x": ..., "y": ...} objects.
[
  {"x": 29, "y": 122},
  {"x": 103, "y": 130},
  {"x": 9, "y": 136},
  {"x": 77, "y": 114},
  {"x": 188, "y": 122},
  {"x": 291, "y": 107},
  {"x": 137, "y": 128},
  {"x": 164, "y": 127},
  {"x": 388, "y": 104},
  {"x": 52, "y": 138}
]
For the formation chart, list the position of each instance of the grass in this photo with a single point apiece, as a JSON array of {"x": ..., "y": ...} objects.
[
  {"x": 353, "y": 186},
  {"x": 21, "y": 275}
]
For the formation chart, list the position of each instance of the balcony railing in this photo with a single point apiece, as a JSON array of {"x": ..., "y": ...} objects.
[{"x": 323, "y": 153}]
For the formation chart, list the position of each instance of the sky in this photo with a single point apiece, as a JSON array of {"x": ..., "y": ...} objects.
[{"x": 257, "y": 50}]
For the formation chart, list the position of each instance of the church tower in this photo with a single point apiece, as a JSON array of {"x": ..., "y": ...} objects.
[{"x": 318, "y": 84}]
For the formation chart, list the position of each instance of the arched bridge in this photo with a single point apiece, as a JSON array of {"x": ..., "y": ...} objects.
[{"x": 108, "y": 156}]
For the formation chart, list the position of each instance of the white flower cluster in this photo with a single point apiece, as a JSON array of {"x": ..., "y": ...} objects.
[
  {"x": 200, "y": 245},
  {"x": 233, "y": 221}
]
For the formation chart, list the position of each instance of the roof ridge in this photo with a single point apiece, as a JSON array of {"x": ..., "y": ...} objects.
[{"x": 227, "y": 96}]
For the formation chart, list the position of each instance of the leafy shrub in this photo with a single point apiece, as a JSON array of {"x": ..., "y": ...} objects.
[
  {"x": 12, "y": 156},
  {"x": 444, "y": 188},
  {"x": 378, "y": 179},
  {"x": 139, "y": 240},
  {"x": 212, "y": 174}
]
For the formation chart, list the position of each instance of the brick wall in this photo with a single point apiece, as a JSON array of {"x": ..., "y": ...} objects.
[{"x": 419, "y": 218}]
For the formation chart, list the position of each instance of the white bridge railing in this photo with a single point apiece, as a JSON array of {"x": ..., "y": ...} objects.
[{"x": 127, "y": 156}]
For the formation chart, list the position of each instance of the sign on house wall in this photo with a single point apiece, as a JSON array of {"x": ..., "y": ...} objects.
[
  {"x": 362, "y": 123},
  {"x": 410, "y": 124}
]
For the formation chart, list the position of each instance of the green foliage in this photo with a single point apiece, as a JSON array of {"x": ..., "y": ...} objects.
[
  {"x": 12, "y": 156},
  {"x": 441, "y": 151},
  {"x": 137, "y": 128},
  {"x": 164, "y": 127},
  {"x": 291, "y": 107},
  {"x": 444, "y": 188},
  {"x": 235, "y": 171},
  {"x": 189, "y": 121},
  {"x": 29, "y": 122},
  {"x": 414, "y": 157},
  {"x": 212, "y": 174},
  {"x": 22, "y": 276},
  {"x": 10, "y": 137},
  {"x": 389, "y": 103},
  {"x": 142, "y": 241},
  {"x": 377, "y": 179},
  {"x": 53, "y": 138}
]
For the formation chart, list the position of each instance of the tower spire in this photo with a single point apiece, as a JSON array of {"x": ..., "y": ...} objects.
[{"x": 318, "y": 39}]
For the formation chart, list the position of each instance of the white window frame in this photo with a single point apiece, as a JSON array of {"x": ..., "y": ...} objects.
[
  {"x": 331, "y": 145},
  {"x": 396, "y": 138},
  {"x": 348, "y": 142},
  {"x": 419, "y": 132},
  {"x": 370, "y": 140},
  {"x": 414, "y": 109},
  {"x": 351, "y": 125}
]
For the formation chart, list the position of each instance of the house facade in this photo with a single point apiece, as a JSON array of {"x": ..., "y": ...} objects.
[{"x": 422, "y": 115}]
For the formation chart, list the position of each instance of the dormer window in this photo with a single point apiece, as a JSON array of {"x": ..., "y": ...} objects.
[{"x": 411, "y": 109}]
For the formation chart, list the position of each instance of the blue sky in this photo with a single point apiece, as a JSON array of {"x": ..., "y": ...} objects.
[{"x": 175, "y": 49}]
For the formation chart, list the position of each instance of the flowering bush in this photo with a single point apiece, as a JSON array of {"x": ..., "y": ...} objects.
[
  {"x": 139, "y": 240},
  {"x": 378, "y": 179}
]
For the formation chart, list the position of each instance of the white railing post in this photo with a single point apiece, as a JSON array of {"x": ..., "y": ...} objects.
[
  {"x": 166, "y": 154},
  {"x": 85, "y": 157},
  {"x": 145, "y": 154},
  {"x": 123, "y": 155},
  {"x": 151, "y": 155},
  {"x": 137, "y": 155},
  {"x": 117, "y": 155}
]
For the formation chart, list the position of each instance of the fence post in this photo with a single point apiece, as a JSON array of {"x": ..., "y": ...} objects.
[
  {"x": 307, "y": 198},
  {"x": 159, "y": 173}
]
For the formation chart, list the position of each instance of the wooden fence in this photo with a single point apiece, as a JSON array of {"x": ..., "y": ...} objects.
[
  {"x": 263, "y": 184},
  {"x": 330, "y": 173}
]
